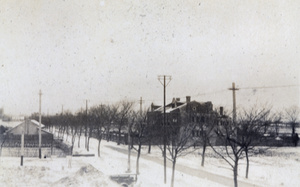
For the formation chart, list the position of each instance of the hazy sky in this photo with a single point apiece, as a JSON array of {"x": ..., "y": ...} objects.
[{"x": 105, "y": 51}]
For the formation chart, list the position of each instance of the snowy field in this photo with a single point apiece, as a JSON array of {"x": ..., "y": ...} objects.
[{"x": 277, "y": 167}]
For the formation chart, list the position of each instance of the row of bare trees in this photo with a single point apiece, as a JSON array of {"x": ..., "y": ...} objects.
[
  {"x": 232, "y": 141},
  {"x": 239, "y": 139},
  {"x": 97, "y": 122}
]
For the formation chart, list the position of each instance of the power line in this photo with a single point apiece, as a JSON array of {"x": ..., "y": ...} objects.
[
  {"x": 269, "y": 87},
  {"x": 244, "y": 88}
]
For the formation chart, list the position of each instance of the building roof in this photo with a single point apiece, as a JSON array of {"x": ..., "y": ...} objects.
[
  {"x": 170, "y": 109},
  {"x": 29, "y": 127},
  {"x": 37, "y": 123},
  {"x": 177, "y": 104}
]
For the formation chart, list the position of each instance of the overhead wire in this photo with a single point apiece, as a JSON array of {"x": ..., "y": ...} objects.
[
  {"x": 269, "y": 87},
  {"x": 241, "y": 88}
]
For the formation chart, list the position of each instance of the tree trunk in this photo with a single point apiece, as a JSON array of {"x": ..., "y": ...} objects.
[
  {"x": 293, "y": 128},
  {"x": 99, "y": 141},
  {"x": 247, "y": 167},
  {"x": 67, "y": 131},
  {"x": 107, "y": 135},
  {"x": 235, "y": 173},
  {"x": 85, "y": 141},
  {"x": 131, "y": 141},
  {"x": 149, "y": 148},
  {"x": 119, "y": 136},
  {"x": 62, "y": 133},
  {"x": 79, "y": 140},
  {"x": 88, "y": 144},
  {"x": 203, "y": 154},
  {"x": 137, "y": 159},
  {"x": 173, "y": 172},
  {"x": 73, "y": 141}
]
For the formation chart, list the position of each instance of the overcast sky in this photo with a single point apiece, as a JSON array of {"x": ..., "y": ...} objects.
[{"x": 105, "y": 51}]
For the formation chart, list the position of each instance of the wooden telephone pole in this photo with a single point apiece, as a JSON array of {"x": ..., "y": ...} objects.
[
  {"x": 164, "y": 125},
  {"x": 40, "y": 124},
  {"x": 234, "y": 102},
  {"x": 141, "y": 105},
  {"x": 234, "y": 112},
  {"x": 22, "y": 142}
]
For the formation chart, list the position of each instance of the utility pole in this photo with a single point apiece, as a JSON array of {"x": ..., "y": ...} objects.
[
  {"x": 164, "y": 125},
  {"x": 234, "y": 112},
  {"x": 234, "y": 102},
  {"x": 141, "y": 105},
  {"x": 129, "y": 151},
  {"x": 86, "y": 122},
  {"x": 22, "y": 142},
  {"x": 40, "y": 125}
]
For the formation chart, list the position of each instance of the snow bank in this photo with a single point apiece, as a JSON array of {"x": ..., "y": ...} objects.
[{"x": 85, "y": 176}]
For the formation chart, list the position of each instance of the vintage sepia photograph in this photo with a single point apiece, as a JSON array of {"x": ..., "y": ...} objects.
[{"x": 140, "y": 93}]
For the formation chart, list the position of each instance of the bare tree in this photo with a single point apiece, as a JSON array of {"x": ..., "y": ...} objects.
[
  {"x": 251, "y": 125},
  {"x": 112, "y": 112},
  {"x": 204, "y": 125},
  {"x": 90, "y": 129},
  {"x": 138, "y": 131},
  {"x": 80, "y": 122},
  {"x": 292, "y": 118},
  {"x": 123, "y": 116},
  {"x": 99, "y": 117},
  {"x": 179, "y": 141},
  {"x": 231, "y": 151},
  {"x": 241, "y": 136},
  {"x": 277, "y": 119},
  {"x": 69, "y": 120}
]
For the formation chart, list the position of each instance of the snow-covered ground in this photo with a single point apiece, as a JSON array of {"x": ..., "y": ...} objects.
[{"x": 278, "y": 167}]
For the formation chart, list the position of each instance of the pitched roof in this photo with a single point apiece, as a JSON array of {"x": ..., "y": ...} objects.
[
  {"x": 31, "y": 128},
  {"x": 37, "y": 123},
  {"x": 175, "y": 104}
]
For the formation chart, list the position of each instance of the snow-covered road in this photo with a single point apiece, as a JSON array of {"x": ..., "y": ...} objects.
[
  {"x": 222, "y": 180},
  {"x": 281, "y": 168}
]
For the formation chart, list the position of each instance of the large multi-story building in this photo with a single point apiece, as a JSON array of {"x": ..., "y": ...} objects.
[{"x": 179, "y": 114}]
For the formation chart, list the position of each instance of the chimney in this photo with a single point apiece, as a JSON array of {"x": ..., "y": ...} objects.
[
  {"x": 188, "y": 99},
  {"x": 221, "y": 111}
]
